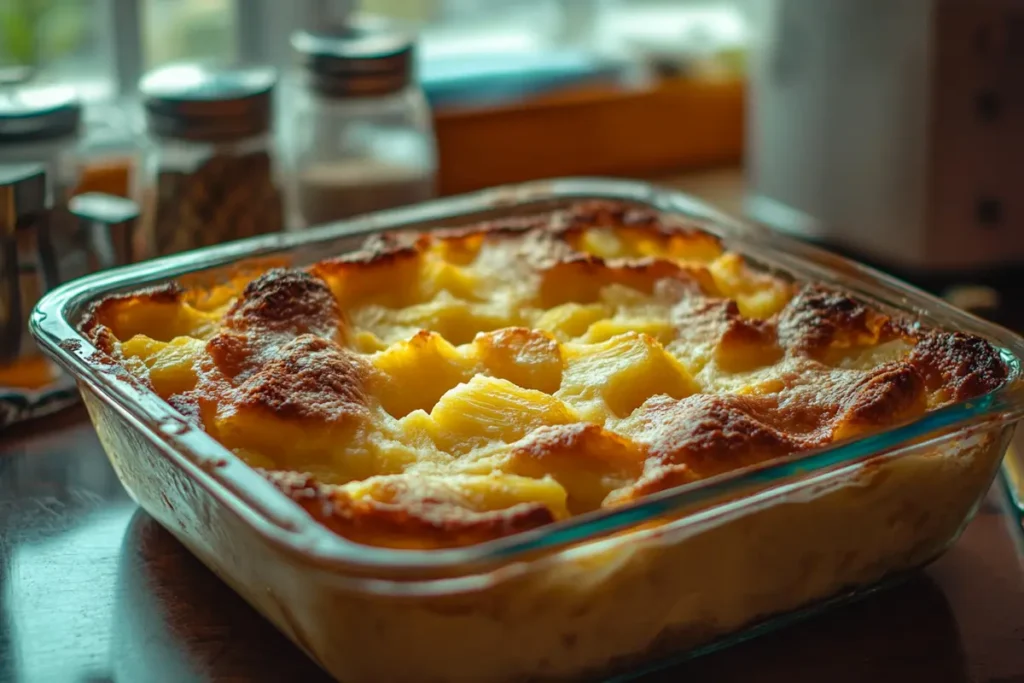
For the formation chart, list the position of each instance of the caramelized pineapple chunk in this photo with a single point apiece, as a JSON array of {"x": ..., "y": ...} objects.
[
  {"x": 758, "y": 295},
  {"x": 571, "y": 320},
  {"x": 602, "y": 242},
  {"x": 488, "y": 410},
  {"x": 455, "y": 320},
  {"x": 163, "y": 319},
  {"x": 392, "y": 280},
  {"x": 602, "y": 330},
  {"x": 477, "y": 493},
  {"x": 640, "y": 241},
  {"x": 459, "y": 282},
  {"x": 172, "y": 365},
  {"x": 583, "y": 279},
  {"x": 528, "y": 358},
  {"x": 416, "y": 373},
  {"x": 459, "y": 250},
  {"x": 746, "y": 344},
  {"x": 618, "y": 375},
  {"x": 588, "y": 461}
]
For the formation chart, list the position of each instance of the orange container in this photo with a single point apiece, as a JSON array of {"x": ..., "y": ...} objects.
[{"x": 676, "y": 125}]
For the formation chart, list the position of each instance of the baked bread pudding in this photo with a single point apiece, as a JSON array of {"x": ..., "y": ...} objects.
[{"x": 451, "y": 387}]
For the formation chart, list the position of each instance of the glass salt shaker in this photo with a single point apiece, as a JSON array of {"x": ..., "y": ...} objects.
[
  {"x": 39, "y": 130},
  {"x": 360, "y": 134},
  {"x": 209, "y": 172},
  {"x": 41, "y": 126}
]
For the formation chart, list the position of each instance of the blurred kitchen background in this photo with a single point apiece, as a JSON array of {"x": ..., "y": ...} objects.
[
  {"x": 519, "y": 89},
  {"x": 887, "y": 129}
]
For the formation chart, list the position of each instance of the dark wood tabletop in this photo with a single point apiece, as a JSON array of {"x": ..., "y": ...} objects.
[{"x": 91, "y": 589}]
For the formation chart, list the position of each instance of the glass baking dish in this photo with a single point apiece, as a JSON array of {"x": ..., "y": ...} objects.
[{"x": 607, "y": 593}]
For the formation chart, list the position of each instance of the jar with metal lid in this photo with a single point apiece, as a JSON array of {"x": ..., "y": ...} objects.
[
  {"x": 360, "y": 134},
  {"x": 209, "y": 174},
  {"x": 43, "y": 245},
  {"x": 41, "y": 126}
]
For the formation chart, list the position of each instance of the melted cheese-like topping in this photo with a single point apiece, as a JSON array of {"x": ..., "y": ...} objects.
[{"x": 448, "y": 388}]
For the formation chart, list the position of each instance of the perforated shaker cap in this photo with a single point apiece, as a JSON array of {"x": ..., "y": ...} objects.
[
  {"x": 369, "y": 56},
  {"x": 38, "y": 113},
  {"x": 193, "y": 101}
]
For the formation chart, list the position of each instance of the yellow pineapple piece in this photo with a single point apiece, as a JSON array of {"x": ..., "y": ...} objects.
[
  {"x": 743, "y": 355},
  {"x": 171, "y": 364},
  {"x": 620, "y": 296},
  {"x": 487, "y": 410},
  {"x": 416, "y": 373},
  {"x": 365, "y": 341},
  {"x": 603, "y": 242},
  {"x": 529, "y": 358},
  {"x": 335, "y": 452},
  {"x": 693, "y": 247},
  {"x": 643, "y": 241},
  {"x": 460, "y": 251},
  {"x": 758, "y": 295},
  {"x": 618, "y": 375},
  {"x": 456, "y": 320},
  {"x": 571, "y": 320},
  {"x": 747, "y": 344},
  {"x": 159, "y": 320},
  {"x": 603, "y": 330},
  {"x": 392, "y": 282},
  {"x": 588, "y": 461},
  {"x": 478, "y": 493},
  {"x": 459, "y": 282},
  {"x": 254, "y": 458}
]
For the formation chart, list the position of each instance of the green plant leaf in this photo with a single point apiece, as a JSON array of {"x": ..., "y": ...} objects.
[
  {"x": 17, "y": 33},
  {"x": 61, "y": 30}
]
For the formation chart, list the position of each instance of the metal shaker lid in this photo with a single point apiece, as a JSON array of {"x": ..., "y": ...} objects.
[
  {"x": 197, "y": 102},
  {"x": 369, "y": 56},
  {"x": 38, "y": 113}
]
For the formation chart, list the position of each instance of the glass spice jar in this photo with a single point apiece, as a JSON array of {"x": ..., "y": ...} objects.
[
  {"x": 39, "y": 130},
  {"x": 209, "y": 174},
  {"x": 42, "y": 126},
  {"x": 47, "y": 237},
  {"x": 360, "y": 135}
]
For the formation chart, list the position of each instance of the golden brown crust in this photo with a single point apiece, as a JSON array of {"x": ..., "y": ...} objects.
[
  {"x": 406, "y": 512},
  {"x": 711, "y": 434},
  {"x": 890, "y": 394},
  {"x": 310, "y": 379},
  {"x": 743, "y": 343},
  {"x": 818, "y": 317},
  {"x": 581, "y": 277},
  {"x": 286, "y": 301},
  {"x": 301, "y": 357},
  {"x": 960, "y": 365}
]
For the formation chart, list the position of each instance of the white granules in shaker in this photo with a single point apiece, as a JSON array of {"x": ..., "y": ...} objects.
[{"x": 331, "y": 190}]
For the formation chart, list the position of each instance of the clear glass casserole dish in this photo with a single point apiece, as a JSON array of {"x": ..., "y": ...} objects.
[{"x": 601, "y": 593}]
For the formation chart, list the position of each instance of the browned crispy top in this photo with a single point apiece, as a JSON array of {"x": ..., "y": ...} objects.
[{"x": 453, "y": 387}]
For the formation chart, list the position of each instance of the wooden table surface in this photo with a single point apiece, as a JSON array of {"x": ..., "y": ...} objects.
[{"x": 91, "y": 589}]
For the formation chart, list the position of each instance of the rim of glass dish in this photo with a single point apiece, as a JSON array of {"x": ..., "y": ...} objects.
[{"x": 282, "y": 522}]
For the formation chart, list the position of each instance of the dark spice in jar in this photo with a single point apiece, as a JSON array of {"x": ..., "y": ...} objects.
[{"x": 227, "y": 197}]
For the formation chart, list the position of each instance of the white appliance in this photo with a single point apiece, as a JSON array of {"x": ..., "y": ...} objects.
[{"x": 893, "y": 129}]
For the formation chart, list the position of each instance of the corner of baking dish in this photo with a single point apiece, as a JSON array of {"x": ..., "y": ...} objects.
[{"x": 282, "y": 522}]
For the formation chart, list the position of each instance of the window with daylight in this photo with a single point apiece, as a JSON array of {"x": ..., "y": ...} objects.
[{"x": 102, "y": 47}]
